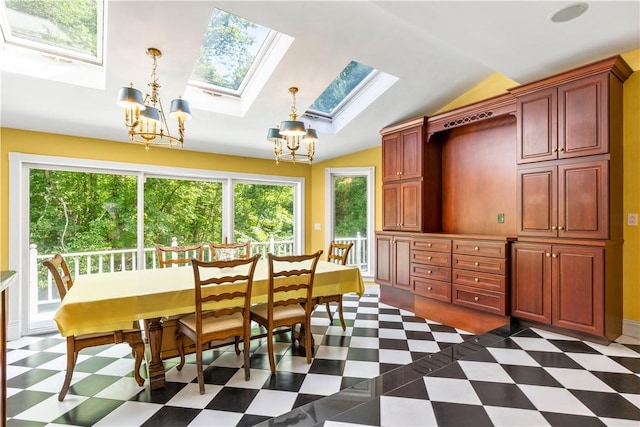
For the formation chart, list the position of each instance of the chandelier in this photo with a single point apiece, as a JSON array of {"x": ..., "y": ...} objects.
[
  {"x": 291, "y": 135},
  {"x": 146, "y": 120}
]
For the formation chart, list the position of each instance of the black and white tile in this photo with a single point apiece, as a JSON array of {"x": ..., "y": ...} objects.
[{"x": 388, "y": 368}]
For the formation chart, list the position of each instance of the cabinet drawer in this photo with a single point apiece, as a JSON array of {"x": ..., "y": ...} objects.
[
  {"x": 492, "y": 302},
  {"x": 432, "y": 289},
  {"x": 433, "y": 272},
  {"x": 433, "y": 258},
  {"x": 481, "y": 248},
  {"x": 435, "y": 245},
  {"x": 477, "y": 263},
  {"x": 491, "y": 282}
]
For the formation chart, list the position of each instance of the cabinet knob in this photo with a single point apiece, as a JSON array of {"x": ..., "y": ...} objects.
[
  {"x": 429, "y": 244},
  {"x": 554, "y": 227},
  {"x": 476, "y": 263},
  {"x": 561, "y": 149},
  {"x": 429, "y": 271},
  {"x": 554, "y": 255},
  {"x": 476, "y": 248},
  {"x": 555, "y": 150},
  {"x": 548, "y": 255},
  {"x": 476, "y": 279},
  {"x": 400, "y": 173},
  {"x": 476, "y": 298},
  {"x": 560, "y": 227},
  {"x": 429, "y": 288},
  {"x": 429, "y": 257}
]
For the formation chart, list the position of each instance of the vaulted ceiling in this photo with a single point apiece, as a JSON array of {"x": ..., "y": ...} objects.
[{"x": 437, "y": 49}]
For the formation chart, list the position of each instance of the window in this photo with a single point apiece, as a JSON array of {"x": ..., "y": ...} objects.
[
  {"x": 236, "y": 59},
  {"x": 106, "y": 216},
  {"x": 231, "y": 49},
  {"x": 68, "y": 28},
  {"x": 355, "y": 88},
  {"x": 341, "y": 89}
]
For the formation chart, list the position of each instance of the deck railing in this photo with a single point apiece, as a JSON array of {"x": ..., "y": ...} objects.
[{"x": 47, "y": 300}]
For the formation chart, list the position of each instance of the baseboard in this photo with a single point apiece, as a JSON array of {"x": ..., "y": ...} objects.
[{"x": 631, "y": 328}]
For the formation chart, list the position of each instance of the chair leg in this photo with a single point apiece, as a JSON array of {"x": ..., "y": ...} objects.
[
  {"x": 245, "y": 350},
  {"x": 180, "y": 347},
  {"x": 272, "y": 362},
  {"x": 199, "y": 367},
  {"x": 329, "y": 313},
  {"x": 71, "y": 364},
  {"x": 344, "y": 325},
  {"x": 308, "y": 345},
  {"x": 236, "y": 339}
]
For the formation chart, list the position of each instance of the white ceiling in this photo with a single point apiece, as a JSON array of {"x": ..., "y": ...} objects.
[{"x": 437, "y": 49}]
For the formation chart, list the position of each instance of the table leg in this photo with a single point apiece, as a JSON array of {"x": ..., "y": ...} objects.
[{"x": 156, "y": 367}]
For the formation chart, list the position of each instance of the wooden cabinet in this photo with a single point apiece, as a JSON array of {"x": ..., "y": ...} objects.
[
  {"x": 569, "y": 199},
  {"x": 561, "y": 285},
  {"x": 402, "y": 207},
  {"x": 393, "y": 260},
  {"x": 480, "y": 275},
  {"x": 564, "y": 121},
  {"x": 411, "y": 179},
  {"x": 402, "y": 154},
  {"x": 431, "y": 268}
]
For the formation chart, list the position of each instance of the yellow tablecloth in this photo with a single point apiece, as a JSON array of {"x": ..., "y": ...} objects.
[{"x": 110, "y": 301}]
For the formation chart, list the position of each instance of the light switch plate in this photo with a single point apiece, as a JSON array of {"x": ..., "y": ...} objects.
[
  {"x": 317, "y": 226},
  {"x": 632, "y": 219},
  {"x": 500, "y": 218}
]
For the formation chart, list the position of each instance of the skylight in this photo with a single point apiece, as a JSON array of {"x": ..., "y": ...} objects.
[
  {"x": 228, "y": 56},
  {"x": 236, "y": 60},
  {"x": 351, "y": 92},
  {"x": 341, "y": 89},
  {"x": 65, "y": 28}
]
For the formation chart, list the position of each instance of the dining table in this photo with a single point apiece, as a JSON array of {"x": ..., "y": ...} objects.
[{"x": 103, "y": 302}]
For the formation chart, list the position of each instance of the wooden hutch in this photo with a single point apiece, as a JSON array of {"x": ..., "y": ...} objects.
[{"x": 510, "y": 208}]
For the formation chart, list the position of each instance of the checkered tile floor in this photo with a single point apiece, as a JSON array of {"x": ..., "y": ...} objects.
[{"x": 389, "y": 368}]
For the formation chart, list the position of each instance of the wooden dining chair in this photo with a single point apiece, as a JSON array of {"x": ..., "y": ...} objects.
[
  {"x": 289, "y": 299},
  {"x": 227, "y": 282},
  {"x": 243, "y": 249},
  {"x": 60, "y": 272},
  {"x": 170, "y": 256},
  {"x": 338, "y": 253}
]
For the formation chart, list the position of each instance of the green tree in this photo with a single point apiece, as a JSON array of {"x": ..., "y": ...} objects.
[{"x": 350, "y": 195}]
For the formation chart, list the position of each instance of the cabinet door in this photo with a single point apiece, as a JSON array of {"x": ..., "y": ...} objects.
[
  {"x": 391, "y": 195},
  {"x": 383, "y": 259},
  {"x": 411, "y": 206},
  {"x": 537, "y": 126},
  {"x": 391, "y": 157},
  {"x": 583, "y": 112},
  {"x": 578, "y": 287},
  {"x": 402, "y": 262},
  {"x": 537, "y": 201},
  {"x": 583, "y": 210},
  {"x": 411, "y": 156},
  {"x": 531, "y": 281}
]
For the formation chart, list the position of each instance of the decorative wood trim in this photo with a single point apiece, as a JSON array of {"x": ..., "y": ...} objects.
[
  {"x": 615, "y": 65},
  {"x": 472, "y": 113}
]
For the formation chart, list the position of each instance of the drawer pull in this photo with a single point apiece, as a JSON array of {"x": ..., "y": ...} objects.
[
  {"x": 476, "y": 248},
  {"x": 476, "y": 280},
  {"x": 429, "y": 257},
  {"x": 429, "y": 271},
  {"x": 476, "y": 263},
  {"x": 476, "y": 298},
  {"x": 429, "y": 244},
  {"x": 429, "y": 288}
]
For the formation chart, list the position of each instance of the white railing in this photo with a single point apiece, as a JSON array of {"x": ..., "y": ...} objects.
[{"x": 47, "y": 299}]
